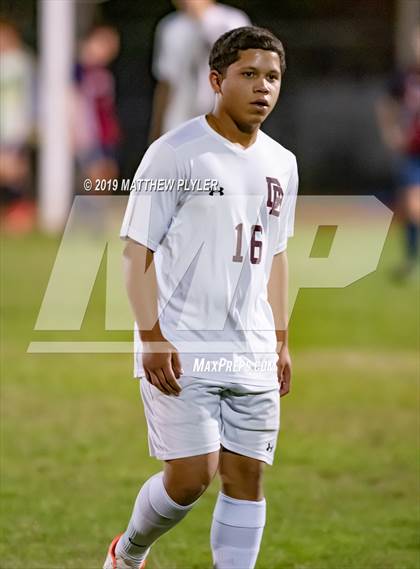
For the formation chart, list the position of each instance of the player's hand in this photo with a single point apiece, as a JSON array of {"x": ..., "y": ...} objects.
[
  {"x": 284, "y": 370},
  {"x": 162, "y": 369}
]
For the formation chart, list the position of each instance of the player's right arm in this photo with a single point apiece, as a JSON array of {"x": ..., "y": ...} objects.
[
  {"x": 147, "y": 220},
  {"x": 161, "y": 360}
]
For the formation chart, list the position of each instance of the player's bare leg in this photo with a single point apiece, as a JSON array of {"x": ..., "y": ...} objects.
[
  {"x": 239, "y": 515},
  {"x": 241, "y": 476},
  {"x": 163, "y": 501},
  {"x": 185, "y": 479}
]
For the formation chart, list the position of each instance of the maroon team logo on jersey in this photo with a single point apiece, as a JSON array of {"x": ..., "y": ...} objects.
[{"x": 275, "y": 196}]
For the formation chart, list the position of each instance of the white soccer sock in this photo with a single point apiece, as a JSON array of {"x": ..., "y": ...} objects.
[
  {"x": 154, "y": 514},
  {"x": 236, "y": 532}
]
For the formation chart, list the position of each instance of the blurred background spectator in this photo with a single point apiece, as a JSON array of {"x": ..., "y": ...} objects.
[
  {"x": 180, "y": 61},
  {"x": 17, "y": 95},
  {"x": 399, "y": 120},
  {"x": 95, "y": 122}
]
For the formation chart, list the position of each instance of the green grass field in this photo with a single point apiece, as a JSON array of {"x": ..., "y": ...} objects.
[{"x": 343, "y": 493}]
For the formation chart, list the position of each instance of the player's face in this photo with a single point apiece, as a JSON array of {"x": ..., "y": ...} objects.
[{"x": 251, "y": 86}]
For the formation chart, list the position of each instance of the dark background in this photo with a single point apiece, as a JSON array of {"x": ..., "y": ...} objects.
[{"x": 339, "y": 57}]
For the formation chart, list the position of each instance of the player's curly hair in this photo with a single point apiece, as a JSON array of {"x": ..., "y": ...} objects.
[{"x": 226, "y": 49}]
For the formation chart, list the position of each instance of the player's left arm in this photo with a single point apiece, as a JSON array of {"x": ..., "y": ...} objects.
[{"x": 278, "y": 298}]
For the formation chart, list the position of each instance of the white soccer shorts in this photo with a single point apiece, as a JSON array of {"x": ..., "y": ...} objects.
[{"x": 209, "y": 413}]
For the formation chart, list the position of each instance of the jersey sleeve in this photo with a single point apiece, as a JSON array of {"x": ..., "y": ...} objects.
[
  {"x": 150, "y": 210},
  {"x": 287, "y": 214}
]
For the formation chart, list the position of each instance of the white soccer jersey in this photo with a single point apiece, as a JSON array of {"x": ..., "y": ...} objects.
[
  {"x": 182, "y": 47},
  {"x": 215, "y": 228}
]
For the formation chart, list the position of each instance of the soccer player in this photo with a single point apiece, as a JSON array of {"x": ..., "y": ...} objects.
[{"x": 206, "y": 274}]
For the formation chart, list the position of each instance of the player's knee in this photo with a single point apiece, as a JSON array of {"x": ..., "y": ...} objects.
[
  {"x": 187, "y": 485},
  {"x": 200, "y": 480},
  {"x": 188, "y": 491}
]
